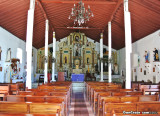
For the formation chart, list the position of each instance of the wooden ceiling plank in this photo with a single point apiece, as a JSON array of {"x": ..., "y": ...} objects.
[
  {"x": 74, "y": 2},
  {"x": 145, "y": 6},
  {"x": 116, "y": 8},
  {"x": 44, "y": 12}
]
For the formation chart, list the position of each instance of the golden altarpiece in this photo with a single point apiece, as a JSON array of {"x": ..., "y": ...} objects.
[{"x": 76, "y": 55}]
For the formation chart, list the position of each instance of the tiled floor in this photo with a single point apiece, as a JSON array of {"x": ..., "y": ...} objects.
[{"x": 79, "y": 105}]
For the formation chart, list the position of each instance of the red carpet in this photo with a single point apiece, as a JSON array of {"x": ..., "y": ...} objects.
[{"x": 79, "y": 106}]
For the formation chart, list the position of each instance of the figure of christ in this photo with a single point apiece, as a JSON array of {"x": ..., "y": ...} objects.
[
  {"x": 87, "y": 60},
  {"x": 65, "y": 60}
]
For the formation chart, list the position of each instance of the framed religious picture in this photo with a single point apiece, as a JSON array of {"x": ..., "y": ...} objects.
[
  {"x": 0, "y": 69},
  {"x": 141, "y": 70},
  {"x": 153, "y": 69}
]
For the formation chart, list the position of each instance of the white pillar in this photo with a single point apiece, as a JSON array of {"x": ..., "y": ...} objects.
[
  {"x": 101, "y": 55},
  {"x": 128, "y": 43},
  {"x": 110, "y": 52},
  {"x": 29, "y": 39},
  {"x": 46, "y": 52},
  {"x": 53, "y": 56}
]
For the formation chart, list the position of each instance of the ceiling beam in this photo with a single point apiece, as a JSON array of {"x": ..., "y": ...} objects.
[
  {"x": 44, "y": 13},
  {"x": 42, "y": 9},
  {"x": 79, "y": 28},
  {"x": 74, "y": 2},
  {"x": 116, "y": 8}
]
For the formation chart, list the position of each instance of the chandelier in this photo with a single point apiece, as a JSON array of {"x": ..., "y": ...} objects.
[{"x": 80, "y": 14}]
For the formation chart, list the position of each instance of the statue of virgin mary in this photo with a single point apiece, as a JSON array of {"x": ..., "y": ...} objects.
[{"x": 8, "y": 58}]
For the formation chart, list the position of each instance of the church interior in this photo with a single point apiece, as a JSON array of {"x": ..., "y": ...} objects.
[{"x": 79, "y": 57}]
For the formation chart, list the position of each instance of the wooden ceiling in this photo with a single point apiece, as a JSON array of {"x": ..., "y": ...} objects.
[{"x": 145, "y": 17}]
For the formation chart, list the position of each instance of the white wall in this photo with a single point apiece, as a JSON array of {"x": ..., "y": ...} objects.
[
  {"x": 8, "y": 40},
  {"x": 147, "y": 43}
]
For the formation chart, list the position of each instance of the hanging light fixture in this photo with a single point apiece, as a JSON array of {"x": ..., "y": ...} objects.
[{"x": 80, "y": 14}]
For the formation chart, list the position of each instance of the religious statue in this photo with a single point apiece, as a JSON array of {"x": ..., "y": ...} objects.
[
  {"x": 77, "y": 39},
  {"x": 87, "y": 60},
  {"x": 156, "y": 57},
  {"x": 7, "y": 74},
  {"x": 0, "y": 52},
  {"x": 116, "y": 68},
  {"x": 65, "y": 59},
  {"x": 146, "y": 57},
  {"x": 8, "y": 58},
  {"x": 87, "y": 43},
  {"x": 105, "y": 66},
  {"x": 77, "y": 52}
]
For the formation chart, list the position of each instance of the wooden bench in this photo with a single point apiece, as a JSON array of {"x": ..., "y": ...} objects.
[
  {"x": 90, "y": 84},
  {"x": 14, "y": 86},
  {"x": 150, "y": 88},
  {"x": 4, "y": 90},
  {"x": 38, "y": 99},
  {"x": 112, "y": 93},
  {"x": 3, "y": 114},
  {"x": 128, "y": 98},
  {"x": 115, "y": 92},
  {"x": 31, "y": 108},
  {"x": 108, "y": 88},
  {"x": 135, "y": 107}
]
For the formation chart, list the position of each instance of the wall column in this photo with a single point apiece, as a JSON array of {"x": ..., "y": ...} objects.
[
  {"x": 101, "y": 55},
  {"x": 128, "y": 44},
  {"x": 54, "y": 57},
  {"x": 29, "y": 39},
  {"x": 110, "y": 52},
  {"x": 46, "y": 53}
]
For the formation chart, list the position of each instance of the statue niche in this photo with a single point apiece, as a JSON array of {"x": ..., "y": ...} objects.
[{"x": 65, "y": 60}]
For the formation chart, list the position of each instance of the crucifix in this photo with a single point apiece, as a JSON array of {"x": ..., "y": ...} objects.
[{"x": 0, "y": 52}]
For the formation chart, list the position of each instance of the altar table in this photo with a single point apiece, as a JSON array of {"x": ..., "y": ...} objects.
[{"x": 78, "y": 77}]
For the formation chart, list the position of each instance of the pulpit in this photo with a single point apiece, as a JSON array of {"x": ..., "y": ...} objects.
[{"x": 61, "y": 76}]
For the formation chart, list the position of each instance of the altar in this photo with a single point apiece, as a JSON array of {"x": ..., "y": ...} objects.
[
  {"x": 77, "y": 71},
  {"x": 78, "y": 77}
]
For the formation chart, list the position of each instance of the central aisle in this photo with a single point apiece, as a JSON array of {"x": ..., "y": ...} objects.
[{"x": 79, "y": 105}]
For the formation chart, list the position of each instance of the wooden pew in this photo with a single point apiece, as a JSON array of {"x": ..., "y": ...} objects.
[
  {"x": 14, "y": 87},
  {"x": 49, "y": 93},
  {"x": 108, "y": 88},
  {"x": 120, "y": 99},
  {"x": 5, "y": 89},
  {"x": 150, "y": 88},
  {"x": 31, "y": 108},
  {"x": 38, "y": 99},
  {"x": 140, "y": 107},
  {"x": 112, "y": 93},
  {"x": 3, "y": 114},
  {"x": 89, "y": 84}
]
